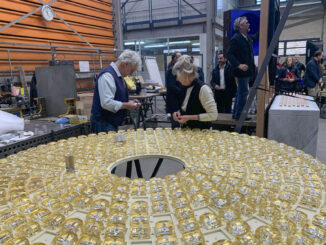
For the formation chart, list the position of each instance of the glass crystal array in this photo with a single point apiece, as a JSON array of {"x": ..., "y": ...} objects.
[{"x": 235, "y": 189}]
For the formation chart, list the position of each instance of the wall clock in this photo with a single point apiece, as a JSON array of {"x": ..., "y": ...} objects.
[{"x": 47, "y": 12}]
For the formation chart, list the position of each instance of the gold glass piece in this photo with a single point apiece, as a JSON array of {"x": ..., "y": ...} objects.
[
  {"x": 299, "y": 238},
  {"x": 267, "y": 235},
  {"x": 115, "y": 230},
  {"x": 40, "y": 215},
  {"x": 97, "y": 215},
  {"x": 223, "y": 242},
  {"x": 193, "y": 238},
  {"x": 54, "y": 221},
  {"x": 65, "y": 238},
  {"x": 18, "y": 241},
  {"x": 167, "y": 240},
  {"x": 93, "y": 228},
  {"x": 188, "y": 225},
  {"x": 89, "y": 240},
  {"x": 5, "y": 236},
  {"x": 113, "y": 241},
  {"x": 238, "y": 227},
  {"x": 140, "y": 231},
  {"x": 314, "y": 232},
  {"x": 209, "y": 221},
  {"x": 28, "y": 230},
  {"x": 160, "y": 207},
  {"x": 117, "y": 218},
  {"x": 72, "y": 225},
  {"x": 163, "y": 228}
]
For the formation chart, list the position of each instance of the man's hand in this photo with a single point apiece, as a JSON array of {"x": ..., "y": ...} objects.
[
  {"x": 320, "y": 81},
  {"x": 291, "y": 80},
  {"x": 243, "y": 67},
  {"x": 217, "y": 87},
  {"x": 131, "y": 105}
]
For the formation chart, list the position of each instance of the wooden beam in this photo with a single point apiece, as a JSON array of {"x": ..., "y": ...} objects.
[{"x": 261, "y": 94}]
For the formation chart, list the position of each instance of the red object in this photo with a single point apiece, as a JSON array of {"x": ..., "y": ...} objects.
[{"x": 290, "y": 75}]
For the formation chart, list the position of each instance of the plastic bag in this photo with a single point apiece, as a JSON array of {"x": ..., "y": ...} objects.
[{"x": 10, "y": 122}]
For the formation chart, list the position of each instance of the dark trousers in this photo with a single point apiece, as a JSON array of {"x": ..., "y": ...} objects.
[
  {"x": 223, "y": 101},
  {"x": 241, "y": 97},
  {"x": 98, "y": 125}
]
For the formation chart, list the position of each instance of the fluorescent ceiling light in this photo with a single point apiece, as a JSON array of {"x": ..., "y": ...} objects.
[
  {"x": 133, "y": 43},
  {"x": 155, "y": 46},
  {"x": 179, "y": 42},
  {"x": 195, "y": 44},
  {"x": 129, "y": 43},
  {"x": 182, "y": 50},
  {"x": 196, "y": 50}
]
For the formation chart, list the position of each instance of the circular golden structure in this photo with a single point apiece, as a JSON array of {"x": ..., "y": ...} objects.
[{"x": 235, "y": 189}]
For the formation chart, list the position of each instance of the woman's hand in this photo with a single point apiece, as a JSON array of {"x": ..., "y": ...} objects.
[
  {"x": 176, "y": 116},
  {"x": 183, "y": 119}
]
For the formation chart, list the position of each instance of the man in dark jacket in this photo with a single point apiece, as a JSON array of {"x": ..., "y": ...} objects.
[
  {"x": 300, "y": 67},
  {"x": 241, "y": 57},
  {"x": 111, "y": 100},
  {"x": 313, "y": 77},
  {"x": 223, "y": 84}
]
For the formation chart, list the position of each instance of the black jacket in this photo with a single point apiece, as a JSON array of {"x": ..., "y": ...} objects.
[
  {"x": 241, "y": 52},
  {"x": 230, "y": 85},
  {"x": 175, "y": 92},
  {"x": 313, "y": 74},
  {"x": 195, "y": 107},
  {"x": 300, "y": 67},
  {"x": 201, "y": 75},
  {"x": 288, "y": 72},
  {"x": 285, "y": 70}
]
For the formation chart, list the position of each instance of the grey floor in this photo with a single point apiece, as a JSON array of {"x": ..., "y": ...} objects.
[{"x": 147, "y": 167}]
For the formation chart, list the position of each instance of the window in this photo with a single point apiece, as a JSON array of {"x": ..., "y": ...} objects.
[{"x": 258, "y": 2}]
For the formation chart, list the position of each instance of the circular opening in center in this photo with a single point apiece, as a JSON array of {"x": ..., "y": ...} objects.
[{"x": 147, "y": 167}]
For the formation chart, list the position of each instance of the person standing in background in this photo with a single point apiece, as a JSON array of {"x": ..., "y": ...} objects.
[
  {"x": 174, "y": 90},
  {"x": 223, "y": 84},
  {"x": 241, "y": 57},
  {"x": 289, "y": 76},
  {"x": 200, "y": 71},
  {"x": 111, "y": 99},
  {"x": 313, "y": 78},
  {"x": 300, "y": 67},
  {"x": 198, "y": 108}
]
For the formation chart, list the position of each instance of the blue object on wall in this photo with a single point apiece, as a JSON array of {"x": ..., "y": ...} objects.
[{"x": 253, "y": 17}]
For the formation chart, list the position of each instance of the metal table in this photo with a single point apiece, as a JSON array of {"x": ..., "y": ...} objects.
[{"x": 45, "y": 133}]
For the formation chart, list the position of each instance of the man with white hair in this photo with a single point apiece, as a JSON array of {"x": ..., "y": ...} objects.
[
  {"x": 111, "y": 100},
  {"x": 241, "y": 57}
]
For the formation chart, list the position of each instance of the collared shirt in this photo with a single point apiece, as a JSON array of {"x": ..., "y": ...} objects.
[
  {"x": 245, "y": 36},
  {"x": 222, "y": 78},
  {"x": 107, "y": 89},
  {"x": 206, "y": 98}
]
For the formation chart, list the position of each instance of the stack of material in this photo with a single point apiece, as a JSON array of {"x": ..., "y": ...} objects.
[{"x": 84, "y": 104}]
